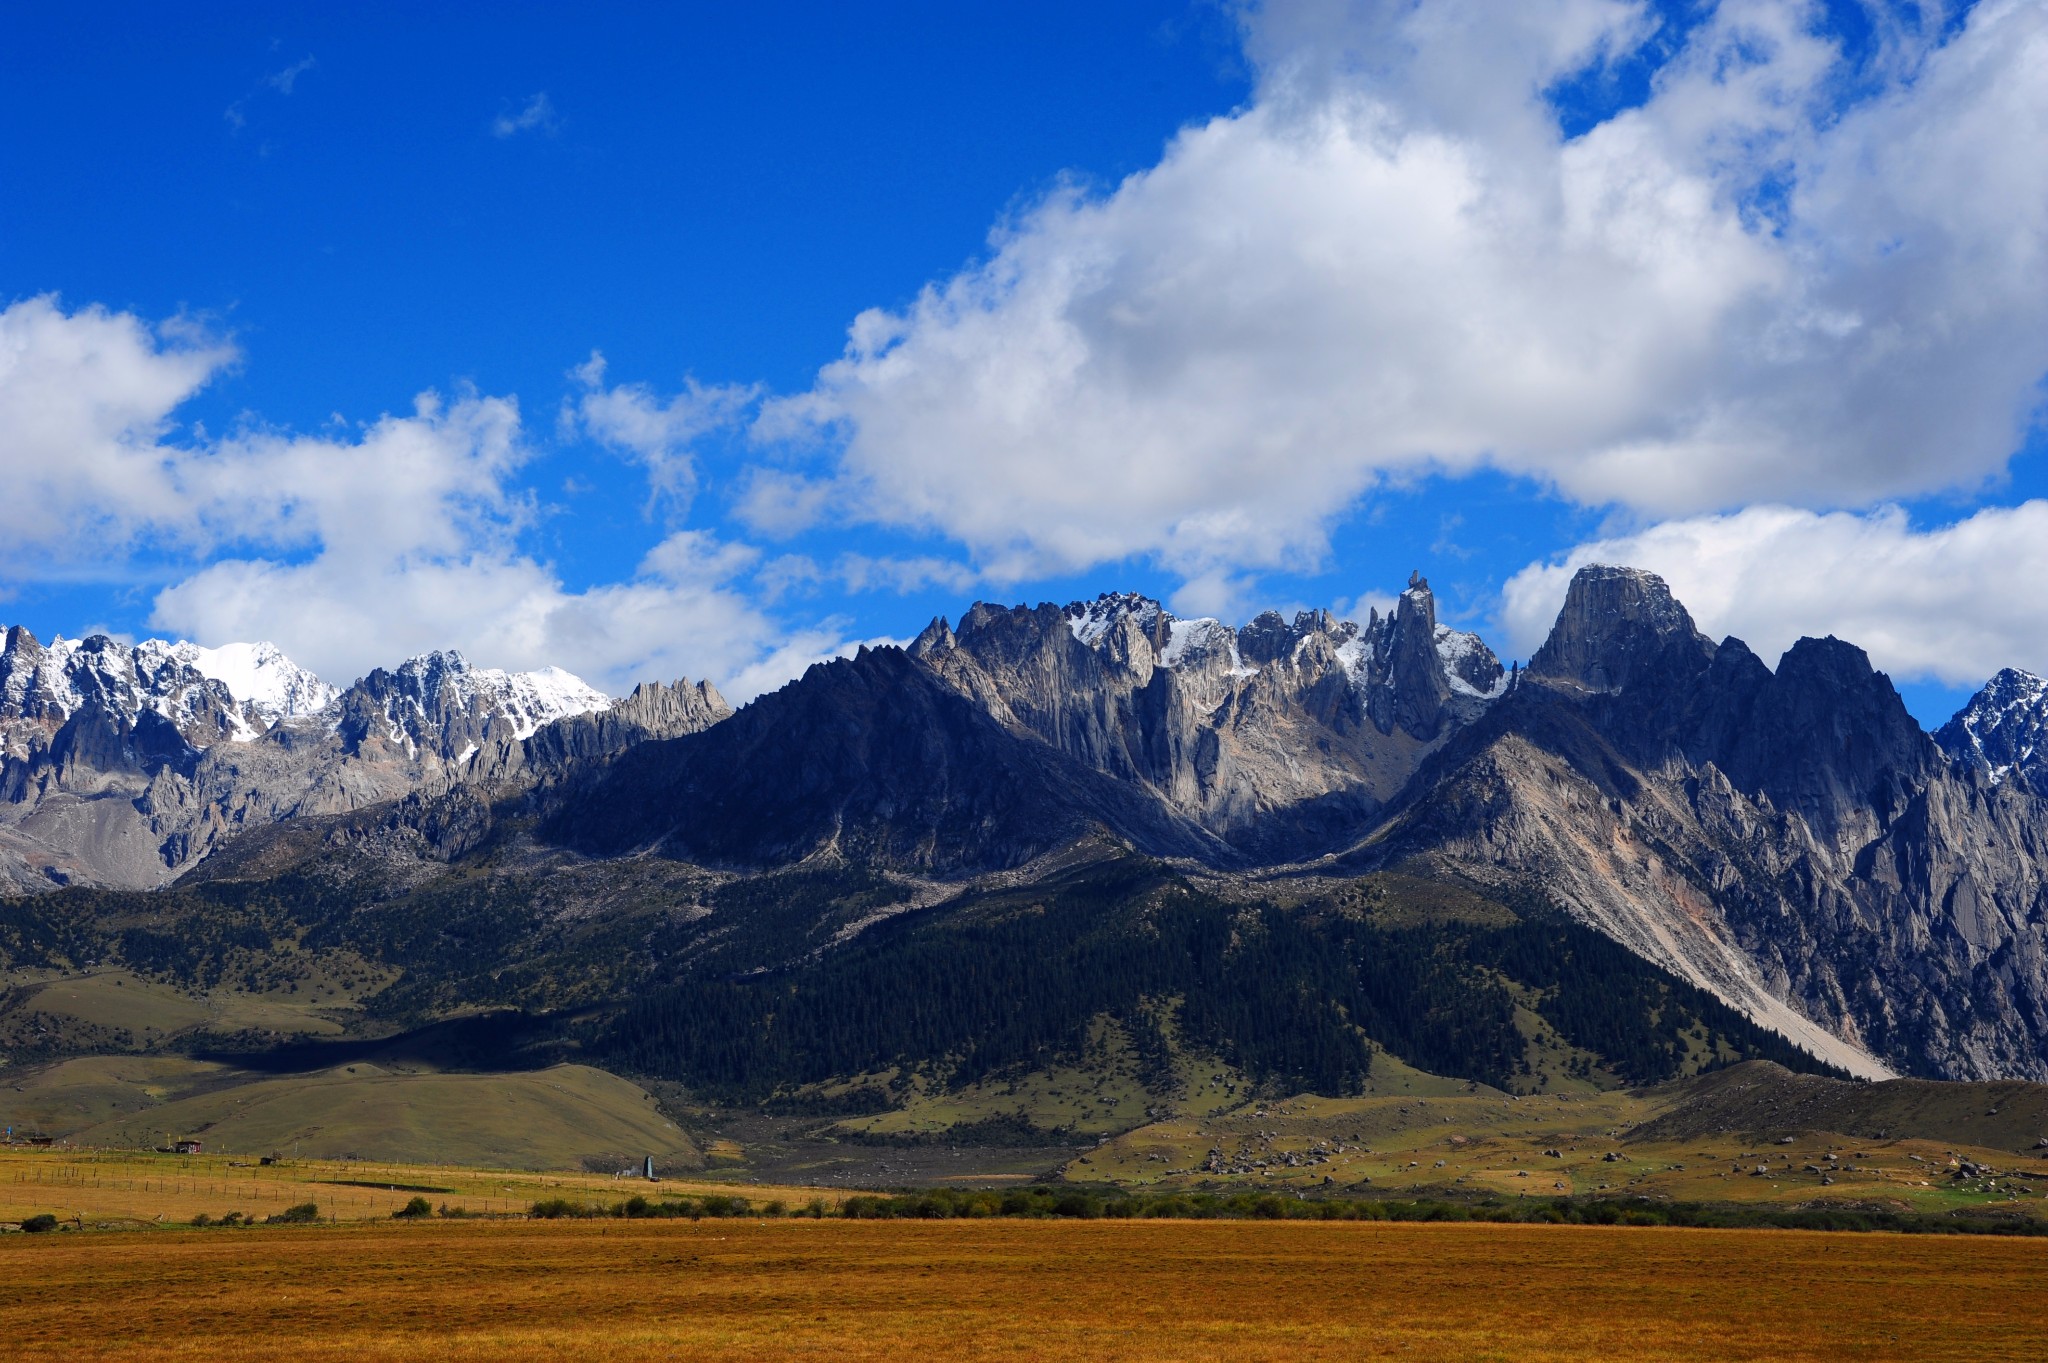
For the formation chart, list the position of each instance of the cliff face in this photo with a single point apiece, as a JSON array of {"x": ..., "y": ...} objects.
[
  {"x": 1283, "y": 738},
  {"x": 872, "y": 760},
  {"x": 1789, "y": 839}
]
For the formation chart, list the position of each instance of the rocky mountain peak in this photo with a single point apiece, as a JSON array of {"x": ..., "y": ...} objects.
[
  {"x": 1270, "y": 636},
  {"x": 44, "y": 688},
  {"x": 1092, "y": 620},
  {"x": 1470, "y": 667},
  {"x": 2003, "y": 731},
  {"x": 937, "y": 637},
  {"x": 1408, "y": 686},
  {"x": 268, "y": 686},
  {"x": 1618, "y": 624},
  {"x": 437, "y": 702}
]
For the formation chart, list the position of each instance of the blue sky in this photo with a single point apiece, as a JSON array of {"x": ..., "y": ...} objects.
[{"x": 1241, "y": 307}]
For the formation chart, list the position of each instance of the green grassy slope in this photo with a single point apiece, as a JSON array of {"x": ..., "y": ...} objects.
[{"x": 554, "y": 1118}]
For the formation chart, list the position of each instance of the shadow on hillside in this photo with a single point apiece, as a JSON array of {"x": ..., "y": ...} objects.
[{"x": 508, "y": 1040}]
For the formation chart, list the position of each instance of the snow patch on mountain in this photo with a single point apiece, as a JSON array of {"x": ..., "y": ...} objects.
[
  {"x": 1198, "y": 641},
  {"x": 2004, "y": 730},
  {"x": 443, "y": 682},
  {"x": 1091, "y": 620},
  {"x": 1469, "y": 665},
  {"x": 267, "y": 683},
  {"x": 1354, "y": 655}
]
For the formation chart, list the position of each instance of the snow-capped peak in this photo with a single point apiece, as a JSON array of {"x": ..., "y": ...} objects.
[
  {"x": 47, "y": 685},
  {"x": 1091, "y": 620},
  {"x": 1469, "y": 665},
  {"x": 544, "y": 696},
  {"x": 2004, "y": 727},
  {"x": 260, "y": 677},
  {"x": 239, "y": 690},
  {"x": 1198, "y": 641},
  {"x": 445, "y": 680}
]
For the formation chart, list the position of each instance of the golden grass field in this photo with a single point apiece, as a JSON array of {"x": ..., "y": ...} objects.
[
  {"x": 117, "y": 1189},
  {"x": 1054, "y": 1290}
]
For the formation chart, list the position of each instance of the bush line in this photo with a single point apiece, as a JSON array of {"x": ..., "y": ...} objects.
[{"x": 1081, "y": 1204}]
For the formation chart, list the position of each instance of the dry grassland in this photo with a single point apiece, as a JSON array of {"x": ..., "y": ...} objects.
[
  {"x": 599, "y": 1292},
  {"x": 1551, "y": 1145},
  {"x": 117, "y": 1188}
]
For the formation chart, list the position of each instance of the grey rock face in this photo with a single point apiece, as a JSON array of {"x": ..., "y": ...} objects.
[
  {"x": 1618, "y": 624},
  {"x": 1283, "y": 738},
  {"x": 2003, "y": 731},
  {"x": 1790, "y": 839},
  {"x": 873, "y": 759}
]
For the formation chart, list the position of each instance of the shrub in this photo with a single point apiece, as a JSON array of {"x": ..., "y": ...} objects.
[
  {"x": 37, "y": 1224},
  {"x": 201, "y": 1220},
  {"x": 294, "y": 1216},
  {"x": 418, "y": 1207}
]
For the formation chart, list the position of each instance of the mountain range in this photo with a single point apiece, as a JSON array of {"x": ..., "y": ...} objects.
[
  {"x": 1298, "y": 843},
  {"x": 126, "y": 765}
]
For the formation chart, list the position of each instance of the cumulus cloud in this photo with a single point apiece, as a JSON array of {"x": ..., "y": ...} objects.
[
  {"x": 86, "y": 402},
  {"x": 93, "y": 469},
  {"x": 655, "y": 433},
  {"x": 1953, "y": 603},
  {"x": 682, "y": 613},
  {"x": 536, "y": 115},
  {"x": 349, "y": 549},
  {"x": 1776, "y": 279}
]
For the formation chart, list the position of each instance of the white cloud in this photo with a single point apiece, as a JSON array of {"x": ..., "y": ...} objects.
[
  {"x": 86, "y": 400},
  {"x": 780, "y": 503},
  {"x": 349, "y": 549},
  {"x": 1953, "y": 603},
  {"x": 538, "y": 113},
  {"x": 656, "y": 434},
  {"x": 681, "y": 614},
  {"x": 89, "y": 469},
  {"x": 283, "y": 81},
  {"x": 857, "y": 572},
  {"x": 1391, "y": 262}
]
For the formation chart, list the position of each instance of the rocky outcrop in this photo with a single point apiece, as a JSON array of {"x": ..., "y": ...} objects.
[
  {"x": 1619, "y": 625},
  {"x": 1282, "y": 738}
]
